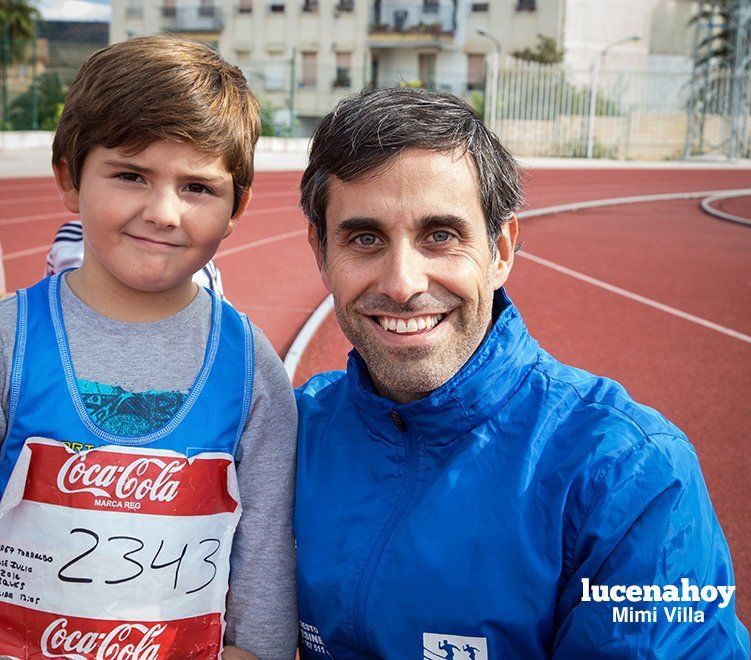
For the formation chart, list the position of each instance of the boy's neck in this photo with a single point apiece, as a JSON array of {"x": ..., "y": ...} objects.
[{"x": 112, "y": 298}]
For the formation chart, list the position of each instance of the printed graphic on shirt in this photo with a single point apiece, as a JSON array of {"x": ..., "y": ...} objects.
[
  {"x": 129, "y": 413},
  {"x": 311, "y": 639},
  {"x": 453, "y": 647}
]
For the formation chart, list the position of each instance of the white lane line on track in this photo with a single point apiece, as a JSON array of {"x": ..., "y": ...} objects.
[
  {"x": 625, "y": 293},
  {"x": 295, "y": 352},
  {"x": 706, "y": 205},
  {"x": 259, "y": 243},
  {"x": 308, "y": 331},
  {"x": 35, "y": 218},
  {"x": 24, "y": 253}
]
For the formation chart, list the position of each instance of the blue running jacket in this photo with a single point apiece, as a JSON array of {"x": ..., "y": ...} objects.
[{"x": 471, "y": 524}]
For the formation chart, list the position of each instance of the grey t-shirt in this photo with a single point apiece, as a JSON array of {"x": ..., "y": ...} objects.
[{"x": 165, "y": 356}]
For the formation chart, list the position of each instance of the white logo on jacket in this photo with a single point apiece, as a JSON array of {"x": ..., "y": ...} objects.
[{"x": 439, "y": 646}]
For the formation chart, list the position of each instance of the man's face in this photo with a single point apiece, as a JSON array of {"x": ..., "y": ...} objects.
[
  {"x": 153, "y": 218},
  {"x": 411, "y": 269}
]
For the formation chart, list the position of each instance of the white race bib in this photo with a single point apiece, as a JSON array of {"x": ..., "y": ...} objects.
[{"x": 116, "y": 553}]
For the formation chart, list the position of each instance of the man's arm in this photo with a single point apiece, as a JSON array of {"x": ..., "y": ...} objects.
[
  {"x": 262, "y": 603},
  {"x": 649, "y": 521}
]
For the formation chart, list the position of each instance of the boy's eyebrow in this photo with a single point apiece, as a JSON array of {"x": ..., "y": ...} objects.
[{"x": 127, "y": 165}]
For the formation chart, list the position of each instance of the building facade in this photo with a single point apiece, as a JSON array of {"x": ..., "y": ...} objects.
[{"x": 301, "y": 56}]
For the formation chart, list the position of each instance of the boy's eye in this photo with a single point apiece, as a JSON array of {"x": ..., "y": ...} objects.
[
  {"x": 128, "y": 176},
  {"x": 197, "y": 188}
]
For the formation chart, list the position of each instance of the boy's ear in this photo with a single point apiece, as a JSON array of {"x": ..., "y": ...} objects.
[
  {"x": 241, "y": 206},
  {"x": 64, "y": 182},
  {"x": 505, "y": 246}
]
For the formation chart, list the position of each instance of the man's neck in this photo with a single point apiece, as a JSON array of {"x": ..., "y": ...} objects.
[{"x": 112, "y": 298}]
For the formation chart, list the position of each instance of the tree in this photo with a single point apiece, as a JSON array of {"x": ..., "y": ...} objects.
[
  {"x": 18, "y": 24},
  {"x": 50, "y": 97},
  {"x": 546, "y": 51},
  {"x": 719, "y": 22}
]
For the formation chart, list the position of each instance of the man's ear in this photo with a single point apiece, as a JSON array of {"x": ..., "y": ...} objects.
[
  {"x": 317, "y": 248},
  {"x": 505, "y": 245},
  {"x": 64, "y": 182},
  {"x": 241, "y": 206}
]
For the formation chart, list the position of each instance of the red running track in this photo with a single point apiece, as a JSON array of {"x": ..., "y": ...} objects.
[{"x": 668, "y": 251}]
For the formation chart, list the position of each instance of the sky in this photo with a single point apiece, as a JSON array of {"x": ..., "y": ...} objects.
[{"x": 75, "y": 10}]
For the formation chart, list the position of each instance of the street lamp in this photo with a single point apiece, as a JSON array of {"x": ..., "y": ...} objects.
[
  {"x": 491, "y": 80},
  {"x": 484, "y": 33},
  {"x": 595, "y": 71}
]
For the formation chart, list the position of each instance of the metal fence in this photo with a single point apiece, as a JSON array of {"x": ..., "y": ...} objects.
[{"x": 552, "y": 110}]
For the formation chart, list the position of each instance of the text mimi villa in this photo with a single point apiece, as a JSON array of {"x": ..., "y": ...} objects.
[{"x": 682, "y": 595}]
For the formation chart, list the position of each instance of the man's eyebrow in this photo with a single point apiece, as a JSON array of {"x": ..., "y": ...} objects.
[
  {"x": 358, "y": 224},
  {"x": 462, "y": 225}
]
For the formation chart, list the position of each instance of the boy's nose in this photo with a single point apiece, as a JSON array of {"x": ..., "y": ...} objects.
[
  {"x": 163, "y": 210},
  {"x": 404, "y": 273}
]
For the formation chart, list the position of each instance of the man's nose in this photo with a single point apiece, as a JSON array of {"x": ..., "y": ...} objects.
[
  {"x": 163, "y": 209},
  {"x": 404, "y": 273}
]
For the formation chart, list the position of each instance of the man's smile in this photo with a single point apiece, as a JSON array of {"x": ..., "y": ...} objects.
[{"x": 411, "y": 324}]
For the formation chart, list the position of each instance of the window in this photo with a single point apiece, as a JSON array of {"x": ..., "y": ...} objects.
[
  {"x": 426, "y": 67},
  {"x": 479, "y": 7},
  {"x": 345, "y": 5},
  {"x": 168, "y": 9},
  {"x": 206, "y": 8},
  {"x": 430, "y": 6},
  {"x": 245, "y": 7},
  {"x": 526, "y": 5},
  {"x": 343, "y": 70},
  {"x": 475, "y": 71},
  {"x": 310, "y": 5},
  {"x": 274, "y": 74},
  {"x": 308, "y": 77}
]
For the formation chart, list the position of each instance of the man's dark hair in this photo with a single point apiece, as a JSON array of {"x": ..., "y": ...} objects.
[{"x": 368, "y": 130}]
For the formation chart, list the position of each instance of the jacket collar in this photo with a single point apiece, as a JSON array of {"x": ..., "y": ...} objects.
[{"x": 475, "y": 393}]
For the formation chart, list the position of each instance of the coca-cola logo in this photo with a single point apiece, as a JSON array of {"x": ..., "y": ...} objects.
[
  {"x": 126, "y": 641},
  {"x": 143, "y": 478}
]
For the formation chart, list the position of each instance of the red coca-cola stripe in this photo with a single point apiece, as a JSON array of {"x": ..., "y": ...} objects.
[
  {"x": 27, "y": 633},
  {"x": 103, "y": 480}
]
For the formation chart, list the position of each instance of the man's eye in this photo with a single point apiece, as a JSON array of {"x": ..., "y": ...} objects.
[
  {"x": 440, "y": 236},
  {"x": 366, "y": 240}
]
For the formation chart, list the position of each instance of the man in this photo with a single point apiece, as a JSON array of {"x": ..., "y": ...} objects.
[{"x": 458, "y": 485}]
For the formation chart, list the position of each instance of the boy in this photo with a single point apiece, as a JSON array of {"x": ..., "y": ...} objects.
[{"x": 140, "y": 413}]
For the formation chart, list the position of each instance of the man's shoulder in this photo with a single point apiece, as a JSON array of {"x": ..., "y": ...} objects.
[
  {"x": 320, "y": 390},
  {"x": 601, "y": 426}
]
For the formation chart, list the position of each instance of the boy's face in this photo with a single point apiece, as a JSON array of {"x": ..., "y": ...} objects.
[{"x": 151, "y": 219}]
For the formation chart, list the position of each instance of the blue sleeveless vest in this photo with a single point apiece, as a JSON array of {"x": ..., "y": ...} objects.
[{"x": 44, "y": 401}]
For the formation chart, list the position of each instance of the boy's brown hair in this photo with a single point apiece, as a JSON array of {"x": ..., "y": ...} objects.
[{"x": 133, "y": 93}]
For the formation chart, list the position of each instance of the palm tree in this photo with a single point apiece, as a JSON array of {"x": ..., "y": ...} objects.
[
  {"x": 18, "y": 19},
  {"x": 721, "y": 21}
]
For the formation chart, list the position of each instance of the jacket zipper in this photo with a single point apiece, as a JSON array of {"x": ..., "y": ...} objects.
[{"x": 366, "y": 579}]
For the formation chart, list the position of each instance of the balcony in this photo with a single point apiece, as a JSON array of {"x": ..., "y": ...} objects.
[
  {"x": 197, "y": 18},
  {"x": 399, "y": 23}
]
